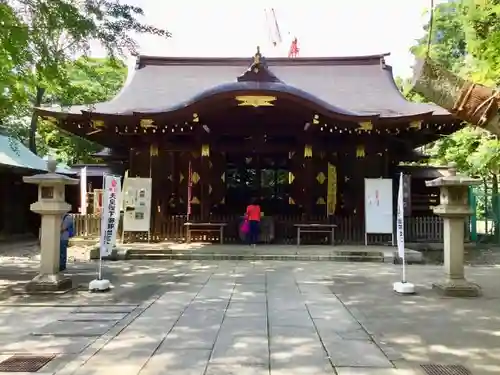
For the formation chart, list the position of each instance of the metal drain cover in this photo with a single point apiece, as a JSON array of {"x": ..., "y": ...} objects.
[
  {"x": 433, "y": 369},
  {"x": 24, "y": 363}
]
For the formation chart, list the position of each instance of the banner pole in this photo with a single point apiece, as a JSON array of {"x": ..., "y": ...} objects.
[
  {"x": 109, "y": 227},
  {"x": 101, "y": 242},
  {"x": 402, "y": 287}
]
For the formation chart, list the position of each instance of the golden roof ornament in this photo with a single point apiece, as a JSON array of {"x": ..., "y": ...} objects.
[{"x": 257, "y": 57}]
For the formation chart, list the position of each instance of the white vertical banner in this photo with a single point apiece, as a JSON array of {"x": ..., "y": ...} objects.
[
  {"x": 83, "y": 191},
  {"x": 400, "y": 226},
  {"x": 110, "y": 215}
]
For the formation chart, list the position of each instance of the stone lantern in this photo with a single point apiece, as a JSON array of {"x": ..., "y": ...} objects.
[
  {"x": 454, "y": 209},
  {"x": 51, "y": 206}
]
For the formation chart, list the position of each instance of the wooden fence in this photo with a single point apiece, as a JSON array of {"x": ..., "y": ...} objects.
[{"x": 350, "y": 230}]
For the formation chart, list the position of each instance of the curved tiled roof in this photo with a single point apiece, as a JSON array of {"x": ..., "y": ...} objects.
[{"x": 350, "y": 86}]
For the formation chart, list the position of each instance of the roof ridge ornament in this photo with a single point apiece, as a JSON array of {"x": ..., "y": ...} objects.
[
  {"x": 257, "y": 57},
  {"x": 258, "y": 71}
]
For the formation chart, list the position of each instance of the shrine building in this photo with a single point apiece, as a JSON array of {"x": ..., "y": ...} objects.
[{"x": 301, "y": 135}]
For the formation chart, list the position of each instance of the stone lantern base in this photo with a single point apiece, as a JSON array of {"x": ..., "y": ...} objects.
[
  {"x": 49, "y": 284},
  {"x": 457, "y": 288}
]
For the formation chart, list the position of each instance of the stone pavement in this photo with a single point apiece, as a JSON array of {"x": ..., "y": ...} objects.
[{"x": 220, "y": 318}]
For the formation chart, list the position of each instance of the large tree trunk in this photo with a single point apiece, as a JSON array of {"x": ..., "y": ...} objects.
[
  {"x": 40, "y": 91},
  {"x": 466, "y": 100}
]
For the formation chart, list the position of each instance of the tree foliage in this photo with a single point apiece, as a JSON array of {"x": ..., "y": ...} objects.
[
  {"x": 89, "y": 81},
  {"x": 40, "y": 40},
  {"x": 466, "y": 40}
]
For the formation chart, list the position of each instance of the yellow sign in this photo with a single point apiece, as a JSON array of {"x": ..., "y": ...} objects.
[
  {"x": 255, "y": 101},
  {"x": 331, "y": 190}
]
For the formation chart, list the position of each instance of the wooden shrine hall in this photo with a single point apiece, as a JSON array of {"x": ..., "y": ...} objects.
[{"x": 301, "y": 135}]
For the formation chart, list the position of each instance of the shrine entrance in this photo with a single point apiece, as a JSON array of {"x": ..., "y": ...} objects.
[{"x": 261, "y": 176}]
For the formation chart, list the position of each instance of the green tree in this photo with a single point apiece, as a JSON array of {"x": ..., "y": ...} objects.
[
  {"x": 14, "y": 61},
  {"x": 448, "y": 45},
  {"x": 57, "y": 30},
  {"x": 90, "y": 80},
  {"x": 466, "y": 39}
]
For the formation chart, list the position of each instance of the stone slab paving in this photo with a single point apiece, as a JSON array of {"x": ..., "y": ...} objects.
[
  {"x": 273, "y": 318},
  {"x": 243, "y": 319},
  {"x": 66, "y": 328}
]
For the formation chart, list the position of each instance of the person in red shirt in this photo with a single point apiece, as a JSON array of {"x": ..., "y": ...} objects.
[{"x": 253, "y": 216}]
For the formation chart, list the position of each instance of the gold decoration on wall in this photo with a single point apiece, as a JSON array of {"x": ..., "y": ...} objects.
[
  {"x": 321, "y": 178},
  {"x": 291, "y": 201},
  {"x": 248, "y": 160},
  {"x": 346, "y": 178},
  {"x": 181, "y": 177},
  {"x": 255, "y": 101},
  {"x": 195, "y": 117},
  {"x": 315, "y": 119},
  {"x": 360, "y": 151},
  {"x": 321, "y": 200},
  {"x": 223, "y": 200},
  {"x": 97, "y": 124},
  {"x": 195, "y": 201},
  {"x": 147, "y": 123},
  {"x": 223, "y": 177},
  {"x": 205, "y": 150},
  {"x": 195, "y": 178},
  {"x": 291, "y": 154},
  {"x": 210, "y": 165},
  {"x": 308, "y": 151},
  {"x": 416, "y": 124},
  {"x": 291, "y": 177},
  {"x": 153, "y": 150},
  {"x": 331, "y": 190},
  {"x": 365, "y": 126},
  {"x": 209, "y": 189}
]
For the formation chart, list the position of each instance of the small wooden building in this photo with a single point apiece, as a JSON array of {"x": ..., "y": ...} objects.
[{"x": 299, "y": 134}]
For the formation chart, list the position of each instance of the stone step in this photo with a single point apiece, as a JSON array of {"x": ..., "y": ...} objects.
[
  {"x": 276, "y": 252},
  {"x": 340, "y": 256}
]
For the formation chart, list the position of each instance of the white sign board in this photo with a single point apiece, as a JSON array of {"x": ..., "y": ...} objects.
[
  {"x": 379, "y": 212},
  {"x": 110, "y": 213},
  {"x": 137, "y": 204}
]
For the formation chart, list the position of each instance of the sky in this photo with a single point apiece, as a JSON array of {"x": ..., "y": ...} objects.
[{"x": 224, "y": 28}]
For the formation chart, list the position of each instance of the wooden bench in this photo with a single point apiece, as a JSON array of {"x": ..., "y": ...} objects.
[
  {"x": 205, "y": 227},
  {"x": 316, "y": 228}
]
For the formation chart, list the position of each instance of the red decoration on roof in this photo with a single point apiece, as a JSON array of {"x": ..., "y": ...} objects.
[{"x": 294, "y": 49}]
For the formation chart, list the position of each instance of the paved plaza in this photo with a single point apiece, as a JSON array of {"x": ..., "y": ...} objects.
[{"x": 263, "y": 317}]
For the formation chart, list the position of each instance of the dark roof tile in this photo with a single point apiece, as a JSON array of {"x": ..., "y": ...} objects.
[{"x": 362, "y": 85}]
